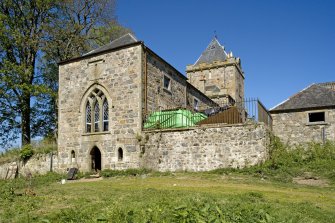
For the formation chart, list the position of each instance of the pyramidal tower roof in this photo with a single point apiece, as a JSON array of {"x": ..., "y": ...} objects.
[{"x": 214, "y": 52}]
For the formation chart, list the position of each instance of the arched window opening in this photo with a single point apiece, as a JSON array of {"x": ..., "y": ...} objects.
[
  {"x": 96, "y": 116},
  {"x": 120, "y": 154},
  {"x": 96, "y": 112},
  {"x": 73, "y": 156},
  {"x": 105, "y": 115},
  {"x": 88, "y": 117}
]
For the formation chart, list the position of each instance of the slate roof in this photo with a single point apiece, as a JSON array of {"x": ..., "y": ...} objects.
[
  {"x": 123, "y": 40},
  {"x": 312, "y": 97},
  {"x": 214, "y": 52}
]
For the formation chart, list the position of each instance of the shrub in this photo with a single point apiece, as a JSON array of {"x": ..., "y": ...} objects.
[{"x": 26, "y": 152}]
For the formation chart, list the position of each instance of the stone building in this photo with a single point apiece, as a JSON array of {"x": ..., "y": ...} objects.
[
  {"x": 106, "y": 94},
  {"x": 307, "y": 116},
  {"x": 218, "y": 74}
]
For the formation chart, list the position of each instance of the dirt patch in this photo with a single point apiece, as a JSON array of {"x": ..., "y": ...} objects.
[
  {"x": 312, "y": 181},
  {"x": 85, "y": 180}
]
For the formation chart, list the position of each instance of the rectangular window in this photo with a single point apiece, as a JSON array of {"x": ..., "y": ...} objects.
[
  {"x": 316, "y": 117},
  {"x": 196, "y": 104},
  {"x": 167, "y": 83}
]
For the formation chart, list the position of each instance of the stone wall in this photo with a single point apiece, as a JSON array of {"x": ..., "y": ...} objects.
[
  {"x": 203, "y": 101},
  {"x": 218, "y": 79},
  {"x": 202, "y": 149},
  {"x": 37, "y": 164},
  {"x": 293, "y": 127},
  {"x": 118, "y": 74},
  {"x": 193, "y": 149},
  {"x": 159, "y": 97},
  {"x": 180, "y": 92}
]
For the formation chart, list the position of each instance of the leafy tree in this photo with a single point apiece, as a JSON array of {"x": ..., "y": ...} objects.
[
  {"x": 34, "y": 36},
  {"x": 22, "y": 32}
]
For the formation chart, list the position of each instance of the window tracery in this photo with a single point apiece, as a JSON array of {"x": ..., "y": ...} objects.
[{"x": 96, "y": 112}]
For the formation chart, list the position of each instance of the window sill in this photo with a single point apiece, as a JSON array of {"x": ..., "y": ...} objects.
[
  {"x": 317, "y": 123},
  {"x": 167, "y": 91},
  {"x": 96, "y": 133}
]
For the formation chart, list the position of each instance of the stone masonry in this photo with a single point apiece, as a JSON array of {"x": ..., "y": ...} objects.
[
  {"x": 218, "y": 74},
  {"x": 180, "y": 92},
  {"x": 293, "y": 128},
  {"x": 118, "y": 75},
  {"x": 207, "y": 148},
  {"x": 131, "y": 78},
  {"x": 37, "y": 164},
  {"x": 218, "y": 79}
]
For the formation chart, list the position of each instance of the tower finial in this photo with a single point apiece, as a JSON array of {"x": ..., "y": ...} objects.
[{"x": 215, "y": 35}]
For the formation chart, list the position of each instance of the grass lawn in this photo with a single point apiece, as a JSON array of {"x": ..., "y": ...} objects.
[{"x": 179, "y": 197}]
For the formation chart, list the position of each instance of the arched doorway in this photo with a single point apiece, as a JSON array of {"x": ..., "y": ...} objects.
[{"x": 95, "y": 159}]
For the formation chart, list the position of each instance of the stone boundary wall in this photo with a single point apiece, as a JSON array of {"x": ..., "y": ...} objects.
[
  {"x": 37, "y": 164},
  {"x": 206, "y": 148},
  {"x": 194, "y": 149}
]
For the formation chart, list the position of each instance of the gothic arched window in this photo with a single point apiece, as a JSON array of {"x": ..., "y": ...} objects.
[
  {"x": 96, "y": 112},
  {"x": 105, "y": 115},
  {"x": 88, "y": 117}
]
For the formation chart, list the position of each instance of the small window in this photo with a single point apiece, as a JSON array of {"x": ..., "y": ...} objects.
[
  {"x": 196, "y": 104},
  {"x": 120, "y": 154},
  {"x": 167, "y": 83},
  {"x": 73, "y": 156},
  {"x": 316, "y": 117}
]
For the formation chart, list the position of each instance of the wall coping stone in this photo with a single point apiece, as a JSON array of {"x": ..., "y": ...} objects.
[{"x": 219, "y": 125}]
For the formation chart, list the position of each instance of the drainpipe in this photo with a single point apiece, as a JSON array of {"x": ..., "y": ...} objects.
[{"x": 145, "y": 81}]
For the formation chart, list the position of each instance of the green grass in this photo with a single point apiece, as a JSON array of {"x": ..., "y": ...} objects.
[
  {"x": 179, "y": 197},
  {"x": 10, "y": 155}
]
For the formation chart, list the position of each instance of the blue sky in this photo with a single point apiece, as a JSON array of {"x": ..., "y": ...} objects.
[{"x": 284, "y": 45}]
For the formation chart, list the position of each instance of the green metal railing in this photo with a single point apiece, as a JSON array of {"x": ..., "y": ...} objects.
[
  {"x": 249, "y": 109},
  {"x": 180, "y": 118}
]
